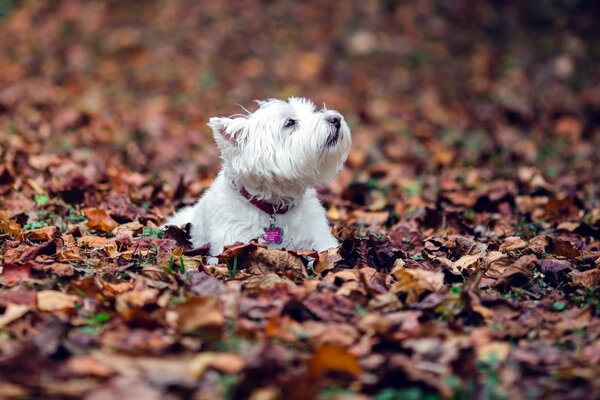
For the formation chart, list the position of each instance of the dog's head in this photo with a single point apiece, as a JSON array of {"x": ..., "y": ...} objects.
[{"x": 283, "y": 147}]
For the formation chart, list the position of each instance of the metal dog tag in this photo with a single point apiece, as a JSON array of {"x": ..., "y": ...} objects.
[{"x": 273, "y": 235}]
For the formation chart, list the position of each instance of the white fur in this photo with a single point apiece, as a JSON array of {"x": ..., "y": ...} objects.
[{"x": 277, "y": 164}]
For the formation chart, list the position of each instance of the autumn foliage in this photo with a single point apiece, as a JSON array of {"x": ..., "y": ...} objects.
[{"x": 468, "y": 213}]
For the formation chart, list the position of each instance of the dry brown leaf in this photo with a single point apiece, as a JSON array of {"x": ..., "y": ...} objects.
[
  {"x": 415, "y": 282},
  {"x": 198, "y": 312},
  {"x": 135, "y": 299},
  {"x": 59, "y": 269},
  {"x": 229, "y": 363},
  {"x": 12, "y": 313},
  {"x": 263, "y": 261},
  {"x": 333, "y": 358},
  {"x": 467, "y": 262},
  {"x": 99, "y": 219},
  {"x": 539, "y": 244},
  {"x": 88, "y": 366},
  {"x": 495, "y": 263},
  {"x": 53, "y": 300},
  {"x": 95, "y": 242},
  {"x": 564, "y": 248},
  {"x": 264, "y": 282},
  {"x": 521, "y": 267},
  {"x": 513, "y": 243},
  {"x": 331, "y": 333},
  {"x": 327, "y": 259},
  {"x": 8, "y": 225},
  {"x": 588, "y": 279},
  {"x": 41, "y": 234}
]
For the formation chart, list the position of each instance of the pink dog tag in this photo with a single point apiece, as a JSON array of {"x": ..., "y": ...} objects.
[{"x": 273, "y": 235}]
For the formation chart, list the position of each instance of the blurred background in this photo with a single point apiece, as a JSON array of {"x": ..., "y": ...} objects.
[
  {"x": 475, "y": 89},
  {"x": 468, "y": 211}
]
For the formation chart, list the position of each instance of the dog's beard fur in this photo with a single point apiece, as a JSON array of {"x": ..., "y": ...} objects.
[{"x": 276, "y": 162}]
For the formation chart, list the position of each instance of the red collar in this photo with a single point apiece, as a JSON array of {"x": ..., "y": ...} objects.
[{"x": 263, "y": 205}]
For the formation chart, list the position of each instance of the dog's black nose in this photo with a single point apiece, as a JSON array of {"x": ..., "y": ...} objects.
[{"x": 335, "y": 120}]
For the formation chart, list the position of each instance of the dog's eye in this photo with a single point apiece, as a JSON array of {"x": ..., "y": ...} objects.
[{"x": 289, "y": 123}]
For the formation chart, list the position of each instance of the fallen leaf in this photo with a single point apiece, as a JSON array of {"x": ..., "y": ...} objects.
[
  {"x": 134, "y": 299},
  {"x": 333, "y": 358},
  {"x": 198, "y": 312},
  {"x": 53, "y": 300},
  {"x": 262, "y": 261},
  {"x": 12, "y": 313},
  {"x": 88, "y": 366},
  {"x": 327, "y": 260},
  {"x": 58, "y": 269},
  {"x": 493, "y": 351},
  {"x": 8, "y": 225},
  {"x": 415, "y": 282},
  {"x": 229, "y": 363},
  {"x": 564, "y": 248},
  {"x": 588, "y": 279},
  {"x": 495, "y": 264},
  {"x": 13, "y": 273},
  {"x": 557, "y": 269},
  {"x": 521, "y": 268},
  {"x": 513, "y": 243},
  {"x": 41, "y": 234},
  {"x": 467, "y": 262},
  {"x": 99, "y": 219}
]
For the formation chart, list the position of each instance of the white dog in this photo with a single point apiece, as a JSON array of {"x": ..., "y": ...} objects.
[{"x": 272, "y": 159}]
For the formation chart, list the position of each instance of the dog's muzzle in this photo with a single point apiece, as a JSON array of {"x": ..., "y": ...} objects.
[{"x": 336, "y": 121}]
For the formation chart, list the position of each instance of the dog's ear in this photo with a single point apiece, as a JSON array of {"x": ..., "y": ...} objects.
[{"x": 229, "y": 129}]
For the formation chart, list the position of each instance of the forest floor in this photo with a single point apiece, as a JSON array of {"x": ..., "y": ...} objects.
[{"x": 468, "y": 212}]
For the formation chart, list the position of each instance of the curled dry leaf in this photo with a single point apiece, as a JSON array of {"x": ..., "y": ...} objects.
[
  {"x": 262, "y": 282},
  {"x": 564, "y": 248},
  {"x": 467, "y": 262},
  {"x": 41, "y": 234},
  {"x": 263, "y": 261},
  {"x": 588, "y": 279},
  {"x": 99, "y": 220},
  {"x": 135, "y": 299},
  {"x": 196, "y": 313},
  {"x": 513, "y": 243},
  {"x": 8, "y": 225},
  {"x": 539, "y": 244},
  {"x": 415, "y": 282},
  {"x": 327, "y": 260},
  {"x": 557, "y": 269},
  {"x": 520, "y": 268},
  {"x": 495, "y": 263}
]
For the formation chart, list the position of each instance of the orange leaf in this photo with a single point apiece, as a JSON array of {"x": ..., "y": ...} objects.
[
  {"x": 99, "y": 219},
  {"x": 333, "y": 358}
]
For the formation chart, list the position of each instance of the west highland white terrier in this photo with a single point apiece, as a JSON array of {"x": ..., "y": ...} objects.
[{"x": 272, "y": 159}]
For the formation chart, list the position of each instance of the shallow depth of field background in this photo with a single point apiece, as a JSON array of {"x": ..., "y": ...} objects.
[{"x": 423, "y": 84}]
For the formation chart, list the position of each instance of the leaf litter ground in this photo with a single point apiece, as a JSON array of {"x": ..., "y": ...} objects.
[{"x": 468, "y": 214}]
